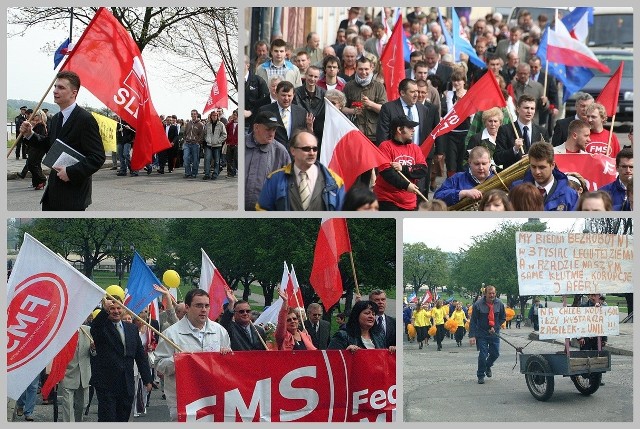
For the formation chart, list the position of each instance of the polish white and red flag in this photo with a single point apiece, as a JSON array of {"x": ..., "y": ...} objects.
[
  {"x": 293, "y": 290},
  {"x": 333, "y": 240},
  {"x": 47, "y": 301},
  {"x": 564, "y": 49},
  {"x": 345, "y": 149},
  {"x": 214, "y": 284},
  {"x": 219, "y": 97}
]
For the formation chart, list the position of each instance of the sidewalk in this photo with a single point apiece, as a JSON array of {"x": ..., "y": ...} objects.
[{"x": 15, "y": 166}]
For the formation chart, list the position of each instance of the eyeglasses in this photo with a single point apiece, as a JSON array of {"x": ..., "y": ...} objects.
[
  {"x": 201, "y": 306},
  {"x": 307, "y": 148},
  {"x": 243, "y": 311},
  {"x": 292, "y": 320}
]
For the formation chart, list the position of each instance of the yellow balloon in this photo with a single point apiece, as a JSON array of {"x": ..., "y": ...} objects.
[
  {"x": 95, "y": 312},
  {"x": 115, "y": 291},
  {"x": 171, "y": 278}
]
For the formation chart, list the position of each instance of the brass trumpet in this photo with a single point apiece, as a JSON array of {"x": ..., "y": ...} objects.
[{"x": 502, "y": 180}]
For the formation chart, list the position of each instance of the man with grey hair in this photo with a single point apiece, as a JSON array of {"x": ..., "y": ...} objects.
[
  {"x": 384, "y": 322},
  {"x": 561, "y": 130},
  {"x": 313, "y": 48},
  {"x": 318, "y": 329},
  {"x": 523, "y": 85}
]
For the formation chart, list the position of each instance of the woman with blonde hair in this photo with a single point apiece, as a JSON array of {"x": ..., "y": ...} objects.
[
  {"x": 439, "y": 315},
  {"x": 460, "y": 317}
]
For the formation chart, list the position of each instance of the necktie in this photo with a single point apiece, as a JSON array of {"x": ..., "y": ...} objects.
[
  {"x": 248, "y": 330},
  {"x": 315, "y": 327},
  {"x": 120, "y": 330},
  {"x": 285, "y": 120},
  {"x": 492, "y": 320},
  {"x": 380, "y": 323},
  {"x": 525, "y": 137},
  {"x": 60, "y": 122},
  {"x": 542, "y": 191},
  {"x": 409, "y": 114},
  {"x": 303, "y": 187}
]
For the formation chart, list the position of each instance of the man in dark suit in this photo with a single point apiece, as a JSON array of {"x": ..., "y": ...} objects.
[
  {"x": 414, "y": 58},
  {"x": 443, "y": 71},
  {"x": 384, "y": 322},
  {"x": 561, "y": 130},
  {"x": 22, "y": 117},
  {"x": 289, "y": 115},
  {"x": 236, "y": 319},
  {"x": 354, "y": 13},
  {"x": 69, "y": 188},
  {"x": 425, "y": 114},
  {"x": 118, "y": 346},
  {"x": 318, "y": 329},
  {"x": 511, "y": 146},
  {"x": 546, "y": 114}
]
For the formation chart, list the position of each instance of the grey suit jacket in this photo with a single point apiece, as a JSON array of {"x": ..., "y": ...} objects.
[
  {"x": 503, "y": 47},
  {"x": 78, "y": 372}
]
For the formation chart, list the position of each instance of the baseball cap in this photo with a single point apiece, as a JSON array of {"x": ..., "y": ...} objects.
[
  {"x": 402, "y": 121},
  {"x": 268, "y": 119},
  {"x": 23, "y": 108}
]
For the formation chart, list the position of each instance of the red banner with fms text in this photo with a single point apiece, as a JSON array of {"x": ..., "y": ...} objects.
[{"x": 286, "y": 386}]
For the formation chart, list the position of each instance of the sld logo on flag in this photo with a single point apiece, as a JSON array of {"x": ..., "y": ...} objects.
[
  {"x": 34, "y": 317},
  {"x": 134, "y": 91}
]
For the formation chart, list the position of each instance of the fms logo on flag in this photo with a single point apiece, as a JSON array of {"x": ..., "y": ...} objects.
[{"x": 134, "y": 91}]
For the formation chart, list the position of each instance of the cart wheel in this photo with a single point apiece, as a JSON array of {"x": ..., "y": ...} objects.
[
  {"x": 541, "y": 386},
  {"x": 587, "y": 383}
]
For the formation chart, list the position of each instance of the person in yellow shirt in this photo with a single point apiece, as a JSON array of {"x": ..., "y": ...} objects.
[
  {"x": 421, "y": 320},
  {"x": 439, "y": 314},
  {"x": 460, "y": 317}
]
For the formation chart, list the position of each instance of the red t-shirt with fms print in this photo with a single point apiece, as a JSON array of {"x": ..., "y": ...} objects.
[{"x": 600, "y": 141}]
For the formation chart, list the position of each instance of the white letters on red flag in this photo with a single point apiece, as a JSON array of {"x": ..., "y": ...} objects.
[
  {"x": 110, "y": 66},
  {"x": 345, "y": 150},
  {"x": 316, "y": 386},
  {"x": 47, "y": 300},
  {"x": 219, "y": 97},
  {"x": 392, "y": 61},
  {"x": 332, "y": 242},
  {"x": 212, "y": 281},
  {"x": 483, "y": 95},
  {"x": 597, "y": 169},
  {"x": 611, "y": 92}
]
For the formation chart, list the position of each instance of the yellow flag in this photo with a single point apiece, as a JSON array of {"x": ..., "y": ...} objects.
[{"x": 107, "y": 131}]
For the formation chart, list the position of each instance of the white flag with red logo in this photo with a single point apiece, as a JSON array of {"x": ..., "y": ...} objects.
[
  {"x": 47, "y": 300},
  {"x": 219, "y": 97},
  {"x": 216, "y": 286},
  {"x": 345, "y": 150}
]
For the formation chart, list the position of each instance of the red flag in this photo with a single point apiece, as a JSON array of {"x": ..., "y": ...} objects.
[
  {"x": 216, "y": 286},
  {"x": 59, "y": 365},
  {"x": 483, "y": 95},
  {"x": 611, "y": 91},
  {"x": 219, "y": 95},
  {"x": 332, "y": 242},
  {"x": 392, "y": 61},
  {"x": 110, "y": 65},
  {"x": 427, "y": 297},
  {"x": 597, "y": 169},
  {"x": 345, "y": 150}
]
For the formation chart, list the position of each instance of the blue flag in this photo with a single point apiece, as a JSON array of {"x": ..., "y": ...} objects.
[
  {"x": 572, "y": 78},
  {"x": 457, "y": 44},
  {"x": 140, "y": 291},
  {"x": 60, "y": 53}
]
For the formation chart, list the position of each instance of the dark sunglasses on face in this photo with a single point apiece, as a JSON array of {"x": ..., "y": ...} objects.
[
  {"x": 307, "y": 148},
  {"x": 243, "y": 311}
]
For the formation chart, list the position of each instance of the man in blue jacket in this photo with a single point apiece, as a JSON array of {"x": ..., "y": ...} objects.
[
  {"x": 461, "y": 185},
  {"x": 304, "y": 184},
  {"x": 618, "y": 188},
  {"x": 551, "y": 182},
  {"x": 486, "y": 318}
]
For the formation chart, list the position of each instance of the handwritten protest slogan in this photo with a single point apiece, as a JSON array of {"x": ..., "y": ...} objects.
[
  {"x": 570, "y": 263},
  {"x": 577, "y": 322}
]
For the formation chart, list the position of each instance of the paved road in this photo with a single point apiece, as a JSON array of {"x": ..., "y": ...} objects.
[
  {"x": 155, "y": 192},
  {"x": 442, "y": 386}
]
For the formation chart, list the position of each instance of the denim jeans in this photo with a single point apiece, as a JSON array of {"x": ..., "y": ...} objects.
[
  {"x": 489, "y": 350},
  {"x": 191, "y": 156},
  {"x": 209, "y": 153},
  {"x": 124, "y": 155},
  {"x": 27, "y": 401}
]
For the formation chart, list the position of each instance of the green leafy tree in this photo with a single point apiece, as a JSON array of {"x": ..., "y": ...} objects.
[{"x": 425, "y": 266}]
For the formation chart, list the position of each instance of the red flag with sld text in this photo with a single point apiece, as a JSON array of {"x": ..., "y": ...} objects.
[
  {"x": 483, "y": 95},
  {"x": 392, "y": 61},
  {"x": 333, "y": 241},
  {"x": 219, "y": 97},
  {"x": 110, "y": 66},
  {"x": 611, "y": 92}
]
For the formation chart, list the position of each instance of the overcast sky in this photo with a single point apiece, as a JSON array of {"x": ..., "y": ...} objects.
[
  {"x": 452, "y": 234},
  {"x": 30, "y": 72}
]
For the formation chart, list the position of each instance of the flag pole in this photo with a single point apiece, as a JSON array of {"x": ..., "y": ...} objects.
[
  {"x": 86, "y": 333},
  {"x": 353, "y": 268},
  {"x": 302, "y": 315},
  {"x": 613, "y": 120},
  {"x": 259, "y": 336},
  {"x": 140, "y": 319},
  {"x": 419, "y": 193}
]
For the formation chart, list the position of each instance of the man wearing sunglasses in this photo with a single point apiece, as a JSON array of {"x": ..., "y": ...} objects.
[
  {"x": 236, "y": 319},
  {"x": 304, "y": 184}
]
